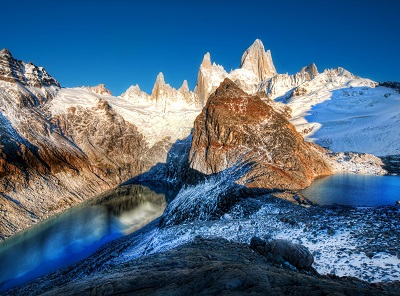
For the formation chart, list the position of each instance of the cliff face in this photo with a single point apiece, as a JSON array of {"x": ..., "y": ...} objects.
[
  {"x": 49, "y": 162},
  {"x": 234, "y": 126},
  {"x": 258, "y": 61},
  {"x": 13, "y": 70}
]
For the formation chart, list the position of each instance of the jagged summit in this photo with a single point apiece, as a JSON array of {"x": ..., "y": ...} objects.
[
  {"x": 208, "y": 79},
  {"x": 259, "y": 61},
  {"x": 5, "y": 51},
  {"x": 206, "y": 63},
  {"x": 160, "y": 87},
  {"x": 100, "y": 89},
  {"x": 13, "y": 70},
  {"x": 311, "y": 70},
  {"x": 184, "y": 89}
]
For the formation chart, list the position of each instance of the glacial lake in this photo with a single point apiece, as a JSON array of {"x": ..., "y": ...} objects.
[
  {"x": 78, "y": 233},
  {"x": 354, "y": 190}
]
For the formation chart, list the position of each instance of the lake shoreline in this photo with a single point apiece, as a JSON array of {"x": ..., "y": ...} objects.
[{"x": 345, "y": 241}]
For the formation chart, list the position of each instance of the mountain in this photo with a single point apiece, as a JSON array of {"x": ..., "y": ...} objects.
[
  {"x": 208, "y": 79},
  {"x": 49, "y": 160},
  {"x": 60, "y": 146},
  {"x": 12, "y": 70},
  {"x": 258, "y": 61},
  {"x": 343, "y": 112},
  {"x": 234, "y": 127}
]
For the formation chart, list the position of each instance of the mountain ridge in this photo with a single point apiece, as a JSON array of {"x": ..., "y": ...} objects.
[{"x": 78, "y": 142}]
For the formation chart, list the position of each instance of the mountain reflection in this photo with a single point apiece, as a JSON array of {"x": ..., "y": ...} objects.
[{"x": 77, "y": 233}]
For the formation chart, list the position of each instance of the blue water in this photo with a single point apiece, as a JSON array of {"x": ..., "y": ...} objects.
[
  {"x": 354, "y": 190},
  {"x": 75, "y": 234}
]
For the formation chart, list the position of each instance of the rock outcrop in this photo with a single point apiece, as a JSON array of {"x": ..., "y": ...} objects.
[
  {"x": 208, "y": 79},
  {"x": 283, "y": 84},
  {"x": 234, "y": 127},
  {"x": 279, "y": 251},
  {"x": 258, "y": 61},
  {"x": 100, "y": 89},
  {"x": 12, "y": 70}
]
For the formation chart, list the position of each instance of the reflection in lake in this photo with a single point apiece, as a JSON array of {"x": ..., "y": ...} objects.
[{"x": 77, "y": 233}]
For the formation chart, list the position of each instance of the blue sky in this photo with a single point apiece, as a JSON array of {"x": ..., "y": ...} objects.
[{"x": 120, "y": 43}]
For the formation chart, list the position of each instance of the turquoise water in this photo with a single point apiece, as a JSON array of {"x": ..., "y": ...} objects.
[{"x": 354, "y": 190}]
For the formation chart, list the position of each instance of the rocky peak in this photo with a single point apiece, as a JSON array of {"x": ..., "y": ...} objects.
[
  {"x": 160, "y": 88},
  {"x": 209, "y": 78},
  {"x": 5, "y": 52},
  {"x": 100, "y": 89},
  {"x": 259, "y": 61},
  {"x": 184, "y": 89},
  {"x": 235, "y": 126},
  {"x": 339, "y": 72},
  {"x": 206, "y": 63},
  {"x": 136, "y": 95},
  {"x": 228, "y": 89},
  {"x": 13, "y": 70},
  {"x": 311, "y": 70}
]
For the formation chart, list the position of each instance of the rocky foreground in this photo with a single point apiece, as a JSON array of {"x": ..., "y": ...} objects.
[
  {"x": 343, "y": 250},
  {"x": 209, "y": 267}
]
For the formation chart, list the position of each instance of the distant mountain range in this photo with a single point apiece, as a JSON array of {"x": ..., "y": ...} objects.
[{"x": 60, "y": 146}]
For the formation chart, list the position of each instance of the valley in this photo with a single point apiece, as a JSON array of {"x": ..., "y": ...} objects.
[{"x": 236, "y": 151}]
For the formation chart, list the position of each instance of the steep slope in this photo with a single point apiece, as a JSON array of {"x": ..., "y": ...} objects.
[
  {"x": 13, "y": 70},
  {"x": 258, "y": 61},
  {"x": 50, "y": 161},
  {"x": 343, "y": 112},
  {"x": 282, "y": 85},
  {"x": 234, "y": 126},
  {"x": 208, "y": 79}
]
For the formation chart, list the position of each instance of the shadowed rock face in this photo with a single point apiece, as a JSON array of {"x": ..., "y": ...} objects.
[{"x": 234, "y": 126}]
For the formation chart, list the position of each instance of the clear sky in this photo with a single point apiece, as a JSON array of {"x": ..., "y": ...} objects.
[{"x": 120, "y": 43}]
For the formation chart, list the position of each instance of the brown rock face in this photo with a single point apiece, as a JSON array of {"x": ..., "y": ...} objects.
[{"x": 234, "y": 126}]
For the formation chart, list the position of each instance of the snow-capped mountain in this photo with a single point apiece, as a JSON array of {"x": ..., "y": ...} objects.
[
  {"x": 60, "y": 146},
  {"x": 343, "y": 112},
  {"x": 12, "y": 70}
]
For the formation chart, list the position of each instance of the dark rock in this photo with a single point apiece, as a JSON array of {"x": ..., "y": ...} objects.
[
  {"x": 331, "y": 231},
  {"x": 297, "y": 255},
  {"x": 235, "y": 270},
  {"x": 369, "y": 254},
  {"x": 256, "y": 242}
]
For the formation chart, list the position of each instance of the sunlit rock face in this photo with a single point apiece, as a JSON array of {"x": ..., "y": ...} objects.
[
  {"x": 100, "y": 89},
  {"x": 281, "y": 84},
  {"x": 12, "y": 70},
  {"x": 258, "y": 61},
  {"x": 208, "y": 79},
  {"x": 49, "y": 162},
  {"x": 235, "y": 126}
]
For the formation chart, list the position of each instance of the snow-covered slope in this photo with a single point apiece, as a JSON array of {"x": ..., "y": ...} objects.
[
  {"x": 343, "y": 112},
  {"x": 152, "y": 122},
  {"x": 89, "y": 140}
]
